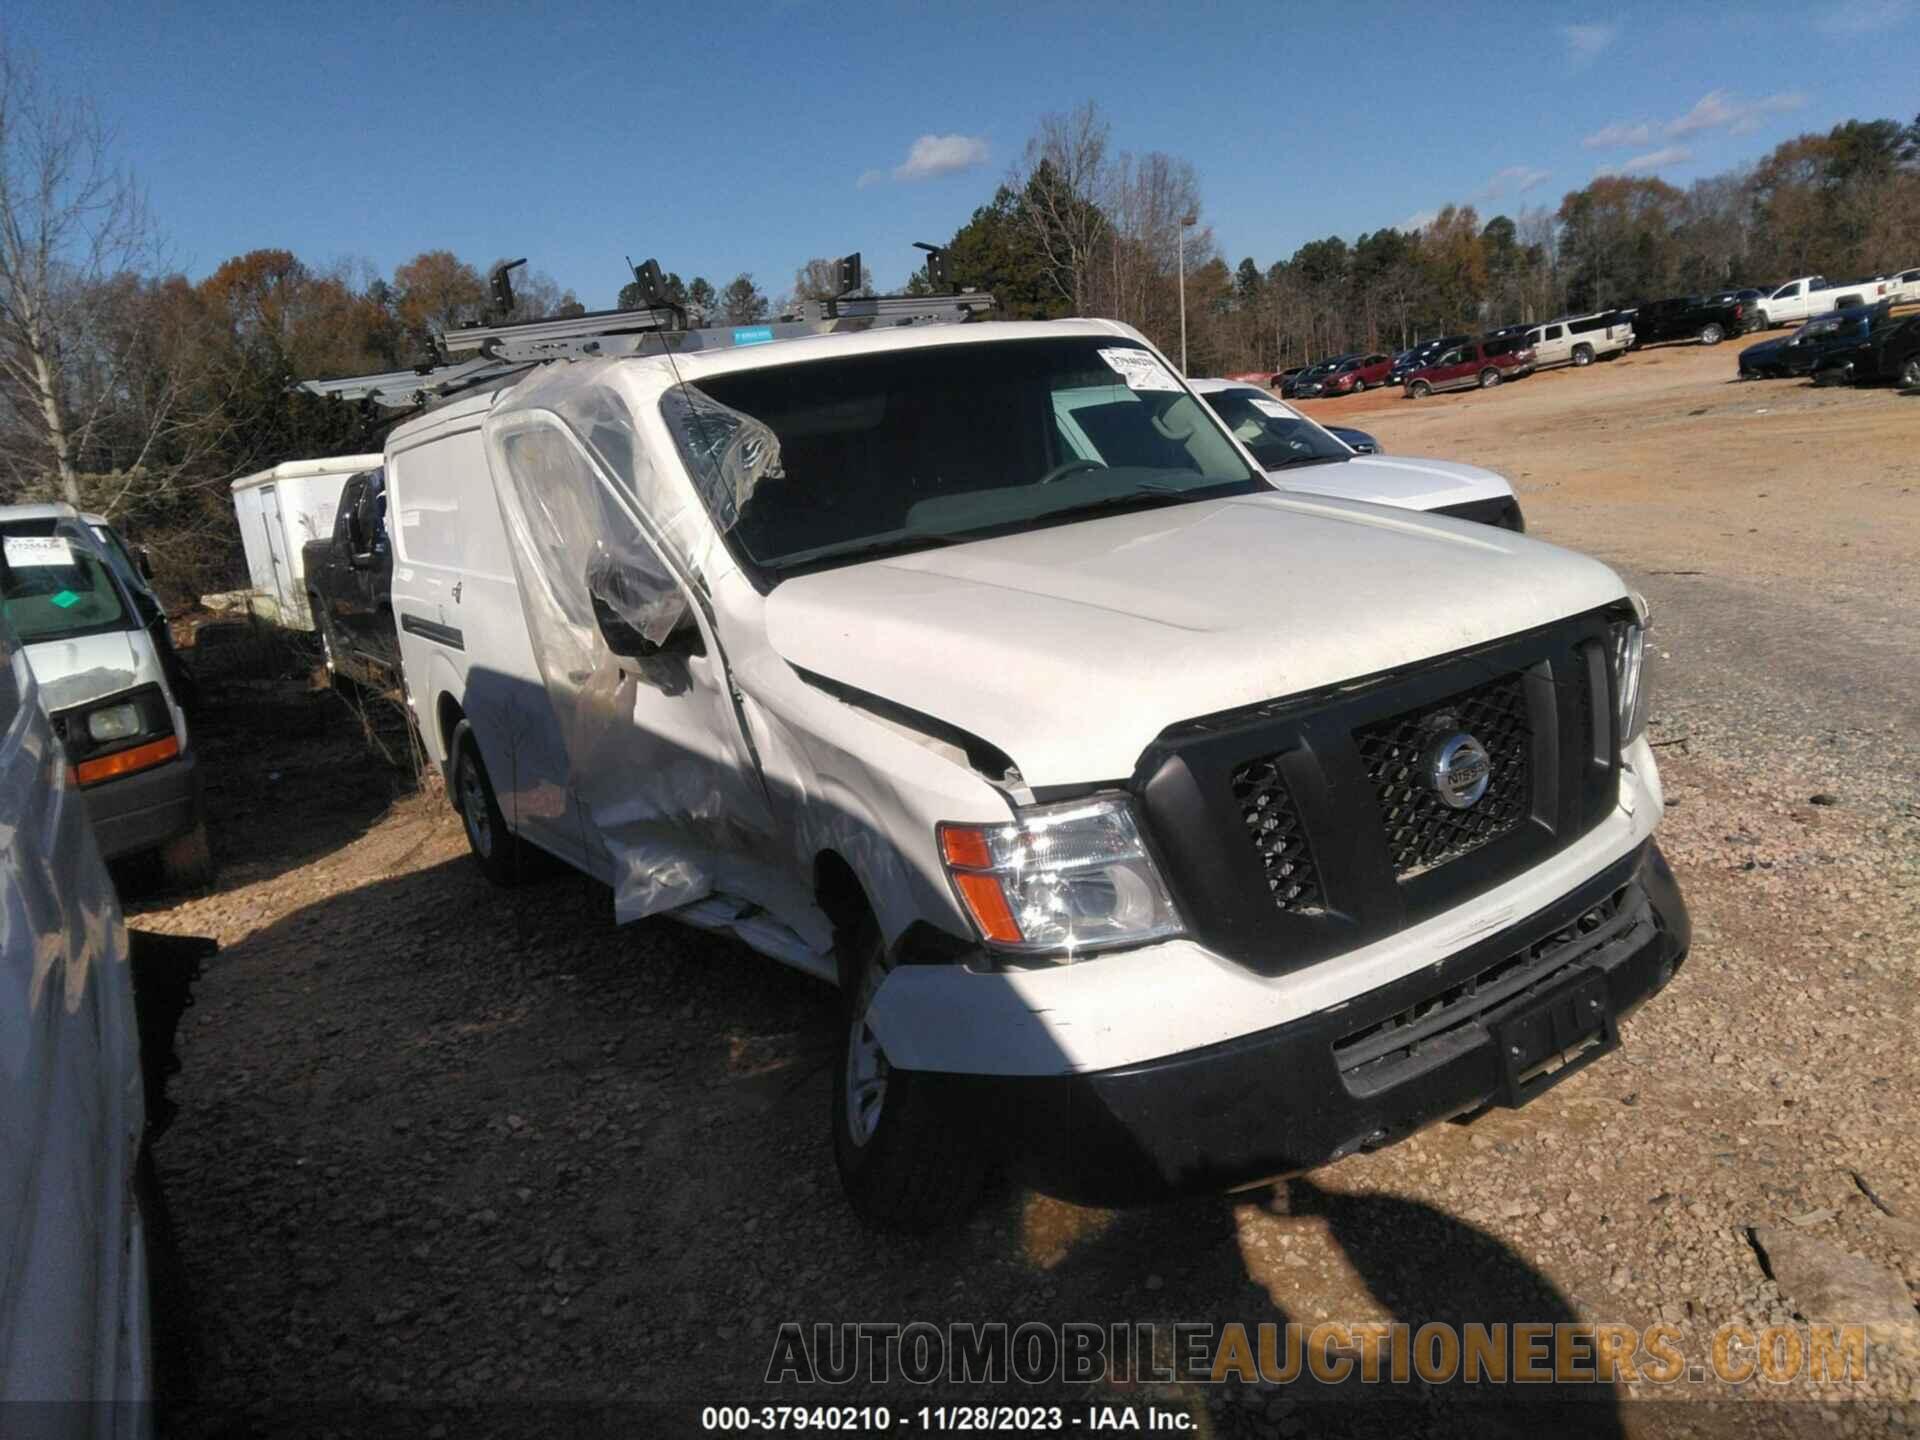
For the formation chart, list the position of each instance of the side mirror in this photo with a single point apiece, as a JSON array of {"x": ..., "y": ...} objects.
[
  {"x": 615, "y": 601},
  {"x": 143, "y": 558}
]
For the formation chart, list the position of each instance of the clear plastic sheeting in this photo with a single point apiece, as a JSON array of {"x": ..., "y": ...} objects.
[
  {"x": 73, "y": 1301},
  {"x": 655, "y": 759},
  {"x": 731, "y": 452}
]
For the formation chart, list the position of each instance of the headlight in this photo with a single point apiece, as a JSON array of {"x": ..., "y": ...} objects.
[
  {"x": 1068, "y": 877},
  {"x": 115, "y": 722},
  {"x": 1629, "y": 688}
]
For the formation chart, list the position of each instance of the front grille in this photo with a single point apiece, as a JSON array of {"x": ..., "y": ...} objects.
[
  {"x": 1273, "y": 825},
  {"x": 1422, "y": 831},
  {"x": 1433, "y": 1029}
]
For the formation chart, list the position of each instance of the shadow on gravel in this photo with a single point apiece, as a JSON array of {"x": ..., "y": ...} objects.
[
  {"x": 1419, "y": 1263},
  {"x": 485, "y": 1154}
]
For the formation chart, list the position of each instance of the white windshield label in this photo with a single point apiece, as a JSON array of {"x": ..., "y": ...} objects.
[
  {"x": 37, "y": 551},
  {"x": 1273, "y": 408},
  {"x": 1140, "y": 369}
]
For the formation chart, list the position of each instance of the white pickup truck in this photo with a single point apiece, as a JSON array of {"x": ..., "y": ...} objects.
[
  {"x": 1162, "y": 829},
  {"x": 1811, "y": 295}
]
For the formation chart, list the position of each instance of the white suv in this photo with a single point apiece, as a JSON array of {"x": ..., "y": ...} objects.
[
  {"x": 1163, "y": 830},
  {"x": 1579, "y": 340}
]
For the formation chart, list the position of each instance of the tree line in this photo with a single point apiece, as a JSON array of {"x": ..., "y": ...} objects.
[
  {"x": 1080, "y": 229},
  {"x": 129, "y": 389}
]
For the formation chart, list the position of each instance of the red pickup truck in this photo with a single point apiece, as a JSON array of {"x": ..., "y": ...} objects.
[{"x": 1478, "y": 364}]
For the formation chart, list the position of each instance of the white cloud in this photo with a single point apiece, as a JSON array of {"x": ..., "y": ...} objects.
[
  {"x": 1720, "y": 108},
  {"x": 1515, "y": 179},
  {"x": 1419, "y": 220},
  {"x": 1715, "y": 110},
  {"x": 933, "y": 155},
  {"x": 1863, "y": 17},
  {"x": 1585, "y": 42},
  {"x": 1619, "y": 133},
  {"x": 1653, "y": 160}
]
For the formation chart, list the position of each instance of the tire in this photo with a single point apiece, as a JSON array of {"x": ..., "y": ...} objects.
[
  {"x": 1359, "y": 387},
  {"x": 1910, "y": 374},
  {"x": 496, "y": 849},
  {"x": 1419, "y": 390},
  {"x": 186, "y": 861},
  {"x": 908, "y": 1162},
  {"x": 1761, "y": 322},
  {"x": 1582, "y": 356},
  {"x": 1712, "y": 335},
  {"x": 1489, "y": 378}
]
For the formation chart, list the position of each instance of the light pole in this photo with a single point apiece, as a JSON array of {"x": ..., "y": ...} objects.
[{"x": 1186, "y": 222}]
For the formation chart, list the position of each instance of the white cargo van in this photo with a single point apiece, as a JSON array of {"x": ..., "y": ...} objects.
[
  {"x": 1163, "y": 830},
  {"x": 279, "y": 511}
]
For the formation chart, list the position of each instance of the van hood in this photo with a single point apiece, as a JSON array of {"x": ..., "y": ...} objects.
[
  {"x": 1071, "y": 648},
  {"x": 1397, "y": 480},
  {"x": 90, "y": 667}
]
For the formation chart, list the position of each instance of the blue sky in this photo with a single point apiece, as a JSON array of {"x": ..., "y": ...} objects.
[{"x": 733, "y": 136}]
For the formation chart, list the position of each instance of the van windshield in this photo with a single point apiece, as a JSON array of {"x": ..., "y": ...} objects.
[
  {"x": 56, "y": 588},
  {"x": 885, "y": 453}
]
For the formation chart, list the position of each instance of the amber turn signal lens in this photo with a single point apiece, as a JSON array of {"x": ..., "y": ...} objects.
[
  {"x": 125, "y": 762},
  {"x": 988, "y": 902},
  {"x": 965, "y": 846}
]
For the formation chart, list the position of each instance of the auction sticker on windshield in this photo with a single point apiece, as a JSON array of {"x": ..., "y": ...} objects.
[
  {"x": 25, "y": 552},
  {"x": 1141, "y": 369},
  {"x": 1273, "y": 408}
]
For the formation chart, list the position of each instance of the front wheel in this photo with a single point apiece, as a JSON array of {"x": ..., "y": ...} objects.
[
  {"x": 1359, "y": 387},
  {"x": 1910, "y": 374},
  {"x": 1582, "y": 356},
  {"x": 1489, "y": 378},
  {"x": 1712, "y": 335},
  {"x": 907, "y": 1162},
  {"x": 494, "y": 846},
  {"x": 1419, "y": 390}
]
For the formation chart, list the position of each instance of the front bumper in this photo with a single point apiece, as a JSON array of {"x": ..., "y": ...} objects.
[
  {"x": 1299, "y": 1095},
  {"x": 144, "y": 810}
]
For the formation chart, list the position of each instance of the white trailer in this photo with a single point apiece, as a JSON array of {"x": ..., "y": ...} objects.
[{"x": 279, "y": 511}]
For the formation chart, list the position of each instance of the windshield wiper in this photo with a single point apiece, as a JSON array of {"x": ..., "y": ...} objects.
[
  {"x": 866, "y": 550},
  {"x": 1143, "y": 496},
  {"x": 1292, "y": 460}
]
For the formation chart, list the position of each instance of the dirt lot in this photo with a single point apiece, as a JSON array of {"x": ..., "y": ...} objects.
[{"x": 462, "y": 1158}]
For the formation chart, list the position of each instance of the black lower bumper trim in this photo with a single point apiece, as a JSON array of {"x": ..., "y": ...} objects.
[{"x": 1278, "y": 1102}]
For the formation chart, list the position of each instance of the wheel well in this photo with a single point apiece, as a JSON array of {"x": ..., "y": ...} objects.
[
  {"x": 840, "y": 894},
  {"x": 449, "y": 715}
]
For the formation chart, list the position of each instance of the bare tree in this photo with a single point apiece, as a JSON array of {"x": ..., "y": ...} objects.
[
  {"x": 1064, "y": 180},
  {"x": 819, "y": 279},
  {"x": 71, "y": 223}
]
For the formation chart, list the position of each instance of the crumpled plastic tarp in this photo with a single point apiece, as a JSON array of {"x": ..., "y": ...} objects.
[
  {"x": 571, "y": 477},
  {"x": 73, "y": 1288}
]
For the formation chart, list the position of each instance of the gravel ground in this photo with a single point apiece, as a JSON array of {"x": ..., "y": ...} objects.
[{"x": 452, "y": 1159}]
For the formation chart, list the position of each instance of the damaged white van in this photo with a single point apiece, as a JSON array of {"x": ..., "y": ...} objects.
[{"x": 1162, "y": 829}]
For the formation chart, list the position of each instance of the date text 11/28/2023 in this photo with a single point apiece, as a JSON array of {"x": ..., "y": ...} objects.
[{"x": 946, "y": 1419}]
